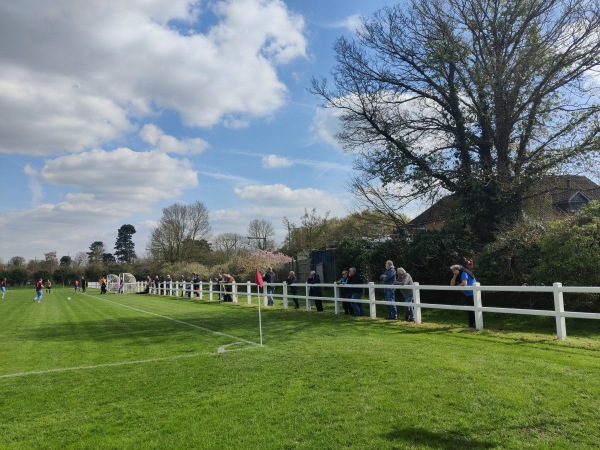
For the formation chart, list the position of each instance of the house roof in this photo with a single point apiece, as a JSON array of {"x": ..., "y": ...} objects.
[{"x": 561, "y": 189}]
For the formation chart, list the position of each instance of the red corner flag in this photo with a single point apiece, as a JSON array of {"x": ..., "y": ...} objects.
[{"x": 259, "y": 280}]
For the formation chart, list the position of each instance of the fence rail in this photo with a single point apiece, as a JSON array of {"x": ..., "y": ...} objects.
[{"x": 249, "y": 289}]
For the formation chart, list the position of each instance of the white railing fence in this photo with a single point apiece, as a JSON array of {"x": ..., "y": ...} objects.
[{"x": 213, "y": 289}]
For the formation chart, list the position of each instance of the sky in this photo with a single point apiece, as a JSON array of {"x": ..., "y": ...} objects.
[{"x": 111, "y": 111}]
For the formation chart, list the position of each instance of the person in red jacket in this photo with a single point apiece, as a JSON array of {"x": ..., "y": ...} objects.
[{"x": 39, "y": 289}]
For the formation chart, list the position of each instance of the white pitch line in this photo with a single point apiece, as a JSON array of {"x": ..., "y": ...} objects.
[
  {"x": 220, "y": 350},
  {"x": 179, "y": 321}
]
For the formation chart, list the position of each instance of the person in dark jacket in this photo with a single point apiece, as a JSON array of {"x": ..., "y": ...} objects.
[
  {"x": 269, "y": 278},
  {"x": 291, "y": 282},
  {"x": 315, "y": 291},
  {"x": 356, "y": 292}
]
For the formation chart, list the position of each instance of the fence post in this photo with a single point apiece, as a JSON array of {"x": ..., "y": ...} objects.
[
  {"x": 372, "y": 305},
  {"x": 210, "y": 290},
  {"x": 265, "y": 297},
  {"x": 336, "y": 303},
  {"x": 417, "y": 301},
  {"x": 559, "y": 308},
  {"x": 249, "y": 292},
  {"x": 307, "y": 299},
  {"x": 285, "y": 298},
  {"x": 477, "y": 304},
  {"x": 234, "y": 297}
]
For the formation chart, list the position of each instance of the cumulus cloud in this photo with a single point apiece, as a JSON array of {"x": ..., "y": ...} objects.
[
  {"x": 162, "y": 142},
  {"x": 276, "y": 162},
  {"x": 75, "y": 75},
  {"x": 123, "y": 178},
  {"x": 102, "y": 189}
]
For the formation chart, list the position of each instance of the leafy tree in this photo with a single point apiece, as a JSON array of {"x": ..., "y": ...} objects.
[
  {"x": 172, "y": 240},
  {"x": 17, "y": 276},
  {"x": 16, "y": 261},
  {"x": 96, "y": 253},
  {"x": 108, "y": 258},
  {"x": 570, "y": 250},
  {"x": 44, "y": 274},
  {"x": 471, "y": 97},
  {"x": 66, "y": 261},
  {"x": 354, "y": 252},
  {"x": 259, "y": 231},
  {"x": 125, "y": 247}
]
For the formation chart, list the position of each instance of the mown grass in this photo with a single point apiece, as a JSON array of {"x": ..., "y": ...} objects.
[{"x": 137, "y": 371}]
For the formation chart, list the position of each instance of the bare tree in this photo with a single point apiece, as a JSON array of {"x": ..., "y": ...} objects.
[
  {"x": 172, "y": 240},
  {"x": 259, "y": 232},
  {"x": 475, "y": 98},
  {"x": 229, "y": 243}
]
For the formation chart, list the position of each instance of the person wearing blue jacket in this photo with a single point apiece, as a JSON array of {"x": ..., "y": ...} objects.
[{"x": 388, "y": 277}]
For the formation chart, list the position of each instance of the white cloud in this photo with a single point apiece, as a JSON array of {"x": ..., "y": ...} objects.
[
  {"x": 169, "y": 144},
  {"x": 121, "y": 179},
  {"x": 74, "y": 74},
  {"x": 326, "y": 125},
  {"x": 279, "y": 195},
  {"x": 276, "y": 162},
  {"x": 104, "y": 190},
  {"x": 351, "y": 23}
]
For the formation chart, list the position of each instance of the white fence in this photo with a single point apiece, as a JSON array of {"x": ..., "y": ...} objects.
[{"x": 212, "y": 289}]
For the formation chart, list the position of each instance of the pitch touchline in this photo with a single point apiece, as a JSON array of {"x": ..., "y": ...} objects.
[
  {"x": 178, "y": 321},
  {"x": 123, "y": 363}
]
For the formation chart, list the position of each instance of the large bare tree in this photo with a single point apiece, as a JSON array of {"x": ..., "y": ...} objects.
[
  {"x": 173, "y": 239},
  {"x": 477, "y": 98},
  {"x": 259, "y": 232}
]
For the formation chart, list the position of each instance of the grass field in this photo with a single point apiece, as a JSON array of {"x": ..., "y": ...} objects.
[{"x": 139, "y": 371}]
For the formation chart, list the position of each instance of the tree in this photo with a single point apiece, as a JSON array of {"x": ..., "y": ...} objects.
[
  {"x": 66, "y": 261},
  {"x": 180, "y": 225},
  {"x": 470, "y": 97},
  {"x": 81, "y": 259},
  {"x": 259, "y": 231},
  {"x": 16, "y": 261},
  {"x": 96, "y": 253},
  {"x": 125, "y": 247},
  {"x": 229, "y": 243},
  {"x": 50, "y": 261}
]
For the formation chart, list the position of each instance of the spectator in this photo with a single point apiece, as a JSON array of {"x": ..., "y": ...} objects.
[
  {"x": 388, "y": 277},
  {"x": 3, "y": 287},
  {"x": 291, "y": 282},
  {"x": 219, "y": 280},
  {"x": 403, "y": 278},
  {"x": 464, "y": 277},
  {"x": 76, "y": 284},
  {"x": 82, "y": 284},
  {"x": 345, "y": 293},
  {"x": 269, "y": 278},
  {"x": 228, "y": 281},
  {"x": 315, "y": 291},
  {"x": 356, "y": 292},
  {"x": 196, "y": 284}
]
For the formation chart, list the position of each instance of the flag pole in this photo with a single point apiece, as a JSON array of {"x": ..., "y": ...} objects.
[
  {"x": 259, "y": 317},
  {"x": 259, "y": 284}
]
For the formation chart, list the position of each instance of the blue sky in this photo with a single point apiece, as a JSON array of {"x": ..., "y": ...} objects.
[{"x": 110, "y": 111}]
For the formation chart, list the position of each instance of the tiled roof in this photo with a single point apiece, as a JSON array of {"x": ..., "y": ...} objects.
[{"x": 550, "y": 199}]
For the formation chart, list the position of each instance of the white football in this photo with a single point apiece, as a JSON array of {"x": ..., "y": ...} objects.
[{"x": 68, "y": 298}]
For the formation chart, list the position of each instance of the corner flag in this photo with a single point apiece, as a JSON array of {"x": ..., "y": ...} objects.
[{"x": 258, "y": 279}]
